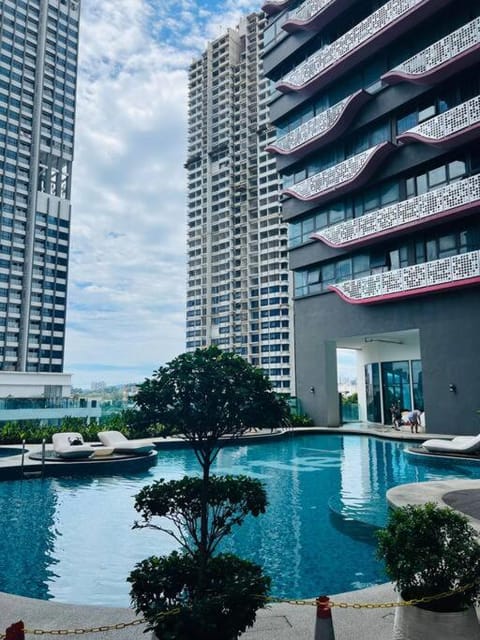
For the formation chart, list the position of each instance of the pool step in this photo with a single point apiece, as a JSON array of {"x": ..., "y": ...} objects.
[
  {"x": 359, "y": 522},
  {"x": 32, "y": 474}
]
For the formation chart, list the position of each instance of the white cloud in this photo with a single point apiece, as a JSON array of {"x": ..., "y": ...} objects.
[{"x": 127, "y": 268}]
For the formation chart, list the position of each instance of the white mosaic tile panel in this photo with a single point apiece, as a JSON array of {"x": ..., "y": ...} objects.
[
  {"x": 452, "y": 121},
  {"x": 356, "y": 37},
  {"x": 278, "y": 4},
  {"x": 452, "y": 196},
  {"x": 309, "y": 9},
  {"x": 313, "y": 128},
  {"x": 334, "y": 176},
  {"x": 428, "y": 274},
  {"x": 440, "y": 52}
]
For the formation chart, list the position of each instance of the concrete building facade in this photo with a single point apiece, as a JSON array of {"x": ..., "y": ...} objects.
[
  {"x": 376, "y": 105},
  {"x": 238, "y": 279},
  {"x": 38, "y": 77}
]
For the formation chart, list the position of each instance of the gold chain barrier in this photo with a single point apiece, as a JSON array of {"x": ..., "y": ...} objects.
[
  {"x": 308, "y": 603},
  {"x": 378, "y": 605}
]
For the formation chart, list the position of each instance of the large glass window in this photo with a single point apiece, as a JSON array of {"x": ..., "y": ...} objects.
[
  {"x": 396, "y": 384},
  {"x": 417, "y": 384},
  {"x": 372, "y": 391}
]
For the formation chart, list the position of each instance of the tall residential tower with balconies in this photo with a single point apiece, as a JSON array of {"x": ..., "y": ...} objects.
[
  {"x": 38, "y": 75},
  {"x": 238, "y": 279},
  {"x": 377, "y": 111}
]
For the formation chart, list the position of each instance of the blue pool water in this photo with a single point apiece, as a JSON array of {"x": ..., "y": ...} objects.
[{"x": 71, "y": 539}]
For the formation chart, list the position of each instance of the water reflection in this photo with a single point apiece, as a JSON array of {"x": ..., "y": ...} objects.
[
  {"x": 71, "y": 539},
  {"x": 27, "y": 563}
]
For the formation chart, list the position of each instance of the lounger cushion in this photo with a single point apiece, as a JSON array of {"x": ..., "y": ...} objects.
[
  {"x": 121, "y": 444},
  {"x": 460, "y": 444},
  {"x": 65, "y": 445}
]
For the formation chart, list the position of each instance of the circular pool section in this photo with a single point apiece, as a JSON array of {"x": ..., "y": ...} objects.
[
  {"x": 8, "y": 452},
  {"x": 70, "y": 539}
]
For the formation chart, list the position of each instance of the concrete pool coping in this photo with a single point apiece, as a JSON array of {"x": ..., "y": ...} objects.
[
  {"x": 281, "y": 621},
  {"x": 11, "y": 469}
]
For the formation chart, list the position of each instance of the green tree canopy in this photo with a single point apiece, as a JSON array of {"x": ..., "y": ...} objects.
[
  {"x": 209, "y": 394},
  {"x": 230, "y": 500}
]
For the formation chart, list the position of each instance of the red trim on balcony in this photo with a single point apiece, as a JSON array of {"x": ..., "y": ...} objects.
[
  {"x": 390, "y": 31},
  {"x": 458, "y": 284},
  {"x": 458, "y": 137},
  {"x": 270, "y": 6},
  {"x": 421, "y": 223},
  {"x": 357, "y": 100},
  {"x": 362, "y": 175},
  {"x": 319, "y": 20},
  {"x": 437, "y": 73}
]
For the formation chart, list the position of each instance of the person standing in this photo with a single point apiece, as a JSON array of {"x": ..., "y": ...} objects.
[
  {"x": 396, "y": 416},
  {"x": 414, "y": 420}
]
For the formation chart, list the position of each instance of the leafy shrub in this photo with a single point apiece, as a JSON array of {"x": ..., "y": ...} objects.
[
  {"x": 430, "y": 550},
  {"x": 178, "y": 606},
  {"x": 301, "y": 421}
]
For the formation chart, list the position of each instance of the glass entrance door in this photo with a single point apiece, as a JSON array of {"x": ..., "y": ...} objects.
[{"x": 395, "y": 386}]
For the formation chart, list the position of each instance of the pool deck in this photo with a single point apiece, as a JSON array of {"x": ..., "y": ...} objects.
[{"x": 280, "y": 621}]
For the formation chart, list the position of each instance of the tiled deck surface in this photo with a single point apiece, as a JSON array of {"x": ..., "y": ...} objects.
[{"x": 280, "y": 621}]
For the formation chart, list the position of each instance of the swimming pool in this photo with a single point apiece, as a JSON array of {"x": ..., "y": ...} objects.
[{"x": 71, "y": 539}]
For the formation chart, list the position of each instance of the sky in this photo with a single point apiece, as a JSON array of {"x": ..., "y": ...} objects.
[{"x": 126, "y": 299}]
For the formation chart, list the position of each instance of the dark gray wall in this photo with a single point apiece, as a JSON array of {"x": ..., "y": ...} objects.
[{"x": 449, "y": 326}]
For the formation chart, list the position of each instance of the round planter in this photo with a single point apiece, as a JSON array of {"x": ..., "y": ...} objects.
[{"x": 414, "y": 623}]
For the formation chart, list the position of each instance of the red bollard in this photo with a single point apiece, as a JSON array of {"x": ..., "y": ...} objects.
[
  {"x": 15, "y": 631},
  {"x": 323, "y": 621}
]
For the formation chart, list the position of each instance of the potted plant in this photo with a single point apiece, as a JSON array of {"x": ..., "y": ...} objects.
[{"x": 432, "y": 554}]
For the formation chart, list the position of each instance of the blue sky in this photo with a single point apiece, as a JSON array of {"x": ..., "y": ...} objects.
[{"x": 127, "y": 268}]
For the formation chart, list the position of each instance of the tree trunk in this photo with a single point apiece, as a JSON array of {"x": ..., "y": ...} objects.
[{"x": 203, "y": 549}]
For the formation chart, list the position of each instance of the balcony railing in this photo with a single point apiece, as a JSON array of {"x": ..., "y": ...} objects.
[
  {"x": 274, "y": 6},
  {"x": 459, "y": 124},
  {"x": 315, "y": 14},
  {"x": 455, "y": 271},
  {"x": 320, "y": 129},
  {"x": 455, "y": 198},
  {"x": 342, "y": 177},
  {"x": 393, "y": 18},
  {"x": 441, "y": 59}
]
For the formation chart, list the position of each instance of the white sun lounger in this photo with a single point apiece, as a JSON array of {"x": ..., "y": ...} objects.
[
  {"x": 460, "y": 444},
  {"x": 121, "y": 444},
  {"x": 65, "y": 447}
]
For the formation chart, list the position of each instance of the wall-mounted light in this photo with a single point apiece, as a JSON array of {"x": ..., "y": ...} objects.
[
  {"x": 452, "y": 388},
  {"x": 312, "y": 389}
]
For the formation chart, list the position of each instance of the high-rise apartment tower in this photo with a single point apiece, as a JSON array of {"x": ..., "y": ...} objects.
[
  {"x": 377, "y": 110},
  {"x": 38, "y": 75},
  {"x": 38, "y": 69},
  {"x": 238, "y": 280}
]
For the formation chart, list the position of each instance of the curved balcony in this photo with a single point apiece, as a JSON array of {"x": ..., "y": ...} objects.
[
  {"x": 457, "y": 198},
  {"x": 342, "y": 177},
  {"x": 274, "y": 6},
  {"x": 441, "y": 59},
  {"x": 322, "y": 128},
  {"x": 456, "y": 271},
  {"x": 315, "y": 14},
  {"x": 369, "y": 35},
  {"x": 455, "y": 126}
]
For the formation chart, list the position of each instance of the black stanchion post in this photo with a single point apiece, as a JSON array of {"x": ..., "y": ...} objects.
[
  {"x": 323, "y": 621},
  {"x": 15, "y": 631}
]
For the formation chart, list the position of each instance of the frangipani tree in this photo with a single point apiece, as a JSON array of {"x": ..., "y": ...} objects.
[{"x": 209, "y": 397}]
